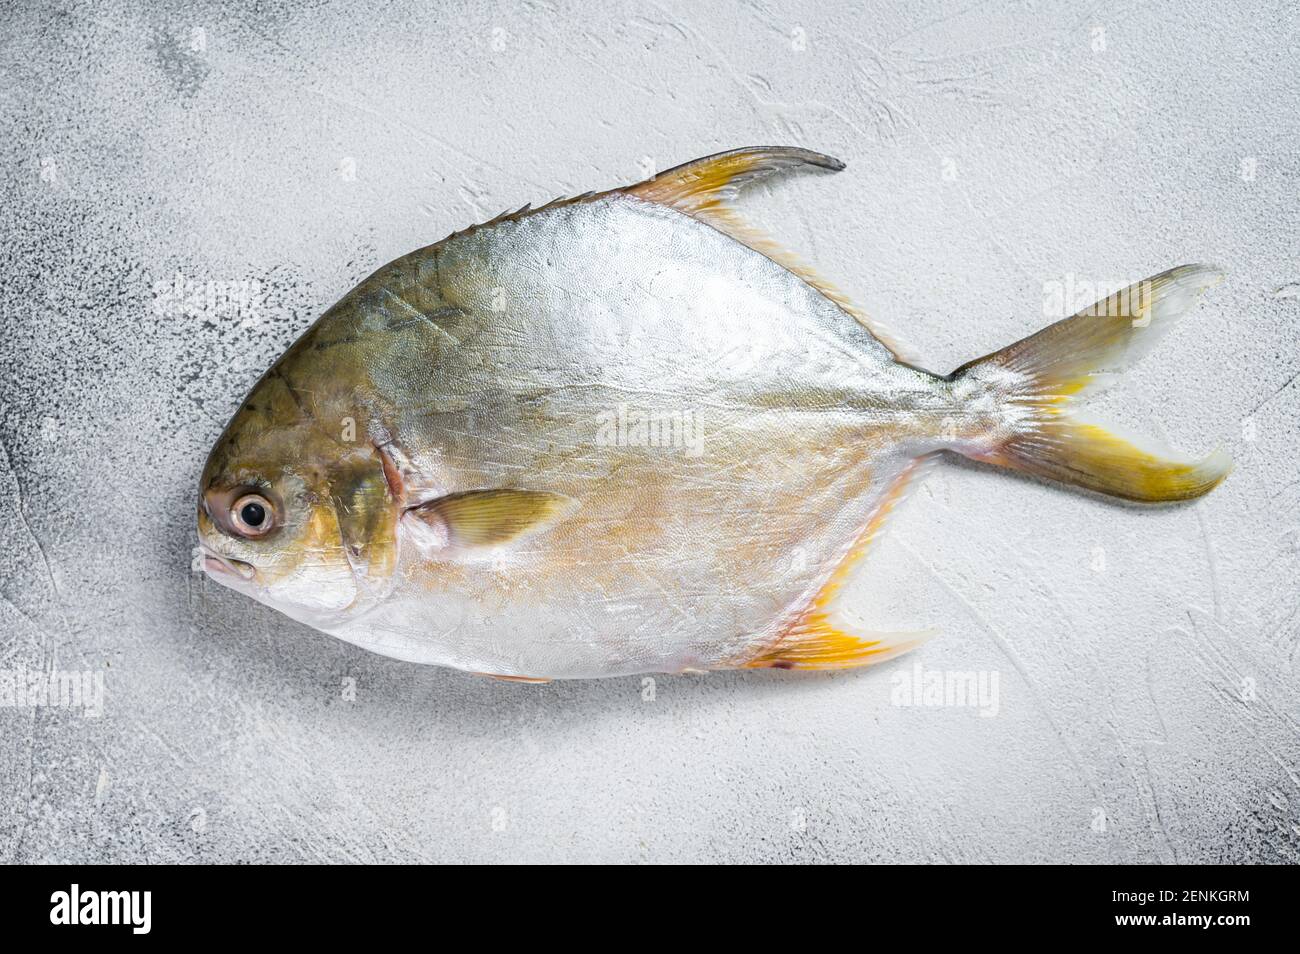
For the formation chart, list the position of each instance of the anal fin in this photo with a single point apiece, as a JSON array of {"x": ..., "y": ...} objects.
[
  {"x": 529, "y": 680},
  {"x": 816, "y": 637}
]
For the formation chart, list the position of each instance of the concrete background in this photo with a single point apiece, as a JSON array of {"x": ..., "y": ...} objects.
[{"x": 1147, "y": 705}]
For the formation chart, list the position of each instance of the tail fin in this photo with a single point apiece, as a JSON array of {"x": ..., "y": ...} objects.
[{"x": 1034, "y": 424}]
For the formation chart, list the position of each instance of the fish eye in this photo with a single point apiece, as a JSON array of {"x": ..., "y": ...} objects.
[{"x": 252, "y": 515}]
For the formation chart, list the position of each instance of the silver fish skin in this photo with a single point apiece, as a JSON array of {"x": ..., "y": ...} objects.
[{"x": 624, "y": 433}]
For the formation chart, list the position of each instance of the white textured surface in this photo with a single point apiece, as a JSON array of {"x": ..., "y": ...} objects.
[{"x": 991, "y": 150}]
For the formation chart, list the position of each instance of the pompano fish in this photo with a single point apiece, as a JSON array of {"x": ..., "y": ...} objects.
[{"x": 625, "y": 433}]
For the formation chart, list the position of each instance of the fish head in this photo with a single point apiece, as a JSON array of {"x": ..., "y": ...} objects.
[{"x": 297, "y": 519}]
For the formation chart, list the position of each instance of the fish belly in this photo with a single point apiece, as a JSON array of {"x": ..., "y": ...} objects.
[{"x": 723, "y": 428}]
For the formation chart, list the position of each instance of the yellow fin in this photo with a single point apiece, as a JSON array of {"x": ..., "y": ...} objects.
[
  {"x": 485, "y": 518},
  {"x": 815, "y": 640},
  {"x": 1042, "y": 381},
  {"x": 705, "y": 189},
  {"x": 530, "y": 680},
  {"x": 704, "y": 184},
  {"x": 1094, "y": 457}
]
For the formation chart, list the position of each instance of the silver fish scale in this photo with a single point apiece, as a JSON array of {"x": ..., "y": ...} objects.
[{"x": 555, "y": 330}]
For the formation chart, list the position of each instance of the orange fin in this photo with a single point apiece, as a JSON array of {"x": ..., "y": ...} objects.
[
  {"x": 534, "y": 680},
  {"x": 705, "y": 189},
  {"x": 815, "y": 639}
]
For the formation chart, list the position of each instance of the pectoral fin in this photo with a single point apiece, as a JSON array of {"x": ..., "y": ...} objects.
[{"x": 488, "y": 518}]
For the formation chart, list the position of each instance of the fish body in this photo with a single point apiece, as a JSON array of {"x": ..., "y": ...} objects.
[{"x": 623, "y": 433}]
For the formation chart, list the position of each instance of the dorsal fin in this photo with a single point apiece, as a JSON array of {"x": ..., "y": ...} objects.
[
  {"x": 704, "y": 184},
  {"x": 705, "y": 189}
]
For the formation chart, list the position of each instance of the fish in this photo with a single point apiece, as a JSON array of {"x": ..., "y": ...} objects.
[{"x": 628, "y": 432}]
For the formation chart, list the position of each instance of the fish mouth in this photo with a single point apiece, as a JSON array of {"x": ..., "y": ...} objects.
[{"x": 218, "y": 566}]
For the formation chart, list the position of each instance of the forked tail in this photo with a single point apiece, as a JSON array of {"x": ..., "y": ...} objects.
[
  {"x": 1023, "y": 403},
  {"x": 1021, "y": 408}
]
